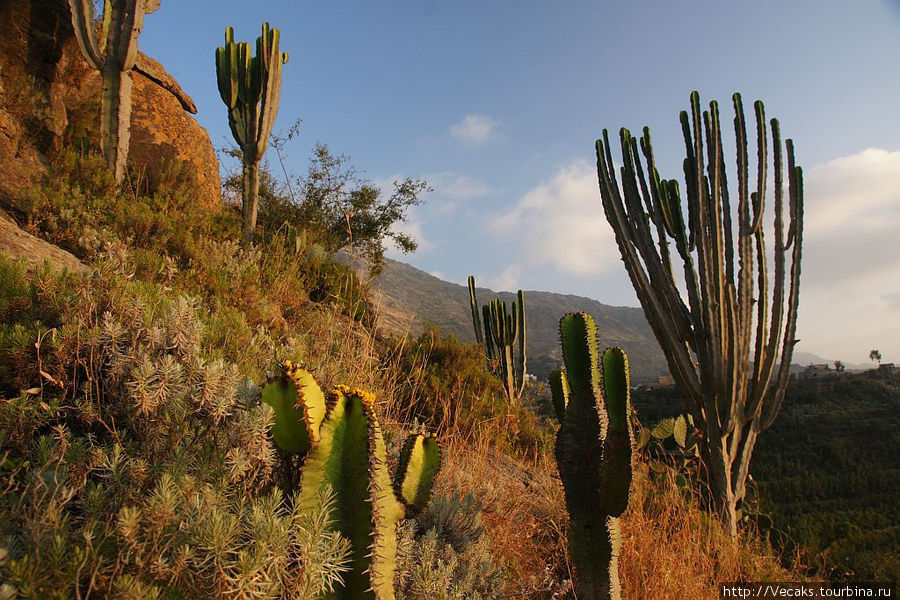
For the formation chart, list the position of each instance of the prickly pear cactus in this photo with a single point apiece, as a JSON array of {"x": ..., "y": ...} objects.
[
  {"x": 347, "y": 454},
  {"x": 593, "y": 453}
]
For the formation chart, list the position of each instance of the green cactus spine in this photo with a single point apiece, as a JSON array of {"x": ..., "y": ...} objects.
[
  {"x": 593, "y": 452},
  {"x": 250, "y": 86},
  {"x": 347, "y": 454},
  {"x": 114, "y": 55},
  {"x": 502, "y": 333}
]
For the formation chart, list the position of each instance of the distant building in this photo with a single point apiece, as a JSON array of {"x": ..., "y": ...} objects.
[
  {"x": 812, "y": 371},
  {"x": 887, "y": 369}
]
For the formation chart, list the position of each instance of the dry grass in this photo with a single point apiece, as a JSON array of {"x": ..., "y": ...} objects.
[{"x": 671, "y": 547}]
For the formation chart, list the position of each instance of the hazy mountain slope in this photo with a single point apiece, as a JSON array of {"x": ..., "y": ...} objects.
[{"x": 410, "y": 298}]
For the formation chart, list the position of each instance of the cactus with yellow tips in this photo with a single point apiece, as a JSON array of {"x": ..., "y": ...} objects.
[
  {"x": 250, "y": 87},
  {"x": 593, "y": 453},
  {"x": 345, "y": 452}
]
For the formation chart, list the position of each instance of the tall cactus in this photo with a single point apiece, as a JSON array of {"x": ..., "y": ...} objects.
[
  {"x": 250, "y": 87},
  {"x": 114, "y": 55},
  {"x": 345, "y": 452},
  {"x": 502, "y": 333},
  {"x": 727, "y": 371},
  {"x": 592, "y": 400}
]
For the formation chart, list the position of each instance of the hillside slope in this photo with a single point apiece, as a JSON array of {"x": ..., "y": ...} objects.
[{"x": 409, "y": 299}]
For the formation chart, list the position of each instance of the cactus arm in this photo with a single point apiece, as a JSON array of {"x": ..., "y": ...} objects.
[
  {"x": 473, "y": 304},
  {"x": 616, "y": 462},
  {"x": 559, "y": 392},
  {"x": 299, "y": 406},
  {"x": 341, "y": 461},
  {"x": 521, "y": 359},
  {"x": 420, "y": 461},
  {"x": 84, "y": 32}
]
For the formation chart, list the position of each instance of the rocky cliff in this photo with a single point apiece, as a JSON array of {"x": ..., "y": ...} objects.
[{"x": 45, "y": 84}]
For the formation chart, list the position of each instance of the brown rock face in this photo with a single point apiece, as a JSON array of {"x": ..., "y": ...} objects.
[
  {"x": 44, "y": 80},
  {"x": 19, "y": 244}
]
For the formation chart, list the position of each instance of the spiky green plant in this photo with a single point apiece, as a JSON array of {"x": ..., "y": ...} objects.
[
  {"x": 591, "y": 397},
  {"x": 725, "y": 368},
  {"x": 250, "y": 87},
  {"x": 345, "y": 452},
  {"x": 503, "y": 338},
  {"x": 114, "y": 55}
]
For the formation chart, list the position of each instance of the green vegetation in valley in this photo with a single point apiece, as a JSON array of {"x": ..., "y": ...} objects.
[{"x": 826, "y": 476}]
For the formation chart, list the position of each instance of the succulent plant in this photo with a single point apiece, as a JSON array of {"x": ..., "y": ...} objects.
[
  {"x": 250, "y": 87},
  {"x": 591, "y": 396},
  {"x": 503, "y": 338},
  {"x": 114, "y": 54},
  {"x": 345, "y": 453},
  {"x": 730, "y": 334}
]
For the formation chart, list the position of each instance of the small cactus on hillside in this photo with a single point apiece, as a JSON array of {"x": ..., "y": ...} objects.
[
  {"x": 591, "y": 397},
  {"x": 250, "y": 87},
  {"x": 345, "y": 452},
  {"x": 503, "y": 338}
]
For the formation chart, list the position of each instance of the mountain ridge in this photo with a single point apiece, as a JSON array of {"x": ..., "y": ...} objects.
[{"x": 409, "y": 299}]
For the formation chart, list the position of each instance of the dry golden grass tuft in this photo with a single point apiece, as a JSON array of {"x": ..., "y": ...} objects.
[{"x": 671, "y": 547}]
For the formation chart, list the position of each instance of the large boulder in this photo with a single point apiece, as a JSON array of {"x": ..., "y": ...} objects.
[
  {"x": 44, "y": 80},
  {"x": 35, "y": 251}
]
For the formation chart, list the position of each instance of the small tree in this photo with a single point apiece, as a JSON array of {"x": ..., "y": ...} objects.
[
  {"x": 875, "y": 356},
  {"x": 344, "y": 212},
  {"x": 839, "y": 367}
]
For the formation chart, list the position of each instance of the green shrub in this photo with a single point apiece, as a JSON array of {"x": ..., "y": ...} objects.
[
  {"x": 444, "y": 554},
  {"x": 138, "y": 463}
]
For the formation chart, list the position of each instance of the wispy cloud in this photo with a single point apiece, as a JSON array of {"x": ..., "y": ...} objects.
[
  {"x": 560, "y": 223},
  {"x": 474, "y": 129},
  {"x": 458, "y": 187},
  {"x": 506, "y": 281}
]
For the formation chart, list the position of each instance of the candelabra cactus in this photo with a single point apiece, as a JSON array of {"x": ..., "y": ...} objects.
[
  {"x": 503, "y": 338},
  {"x": 729, "y": 335},
  {"x": 250, "y": 87},
  {"x": 591, "y": 398},
  {"x": 345, "y": 452},
  {"x": 114, "y": 54}
]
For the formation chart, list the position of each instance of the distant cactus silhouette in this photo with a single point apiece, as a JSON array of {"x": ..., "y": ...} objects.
[
  {"x": 592, "y": 400},
  {"x": 727, "y": 371}
]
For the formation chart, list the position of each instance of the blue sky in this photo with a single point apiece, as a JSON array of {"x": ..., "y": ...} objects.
[{"x": 497, "y": 105}]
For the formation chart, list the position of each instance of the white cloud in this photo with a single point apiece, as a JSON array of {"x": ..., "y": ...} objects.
[
  {"x": 850, "y": 281},
  {"x": 561, "y": 224},
  {"x": 457, "y": 187},
  {"x": 474, "y": 129},
  {"x": 507, "y": 281}
]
